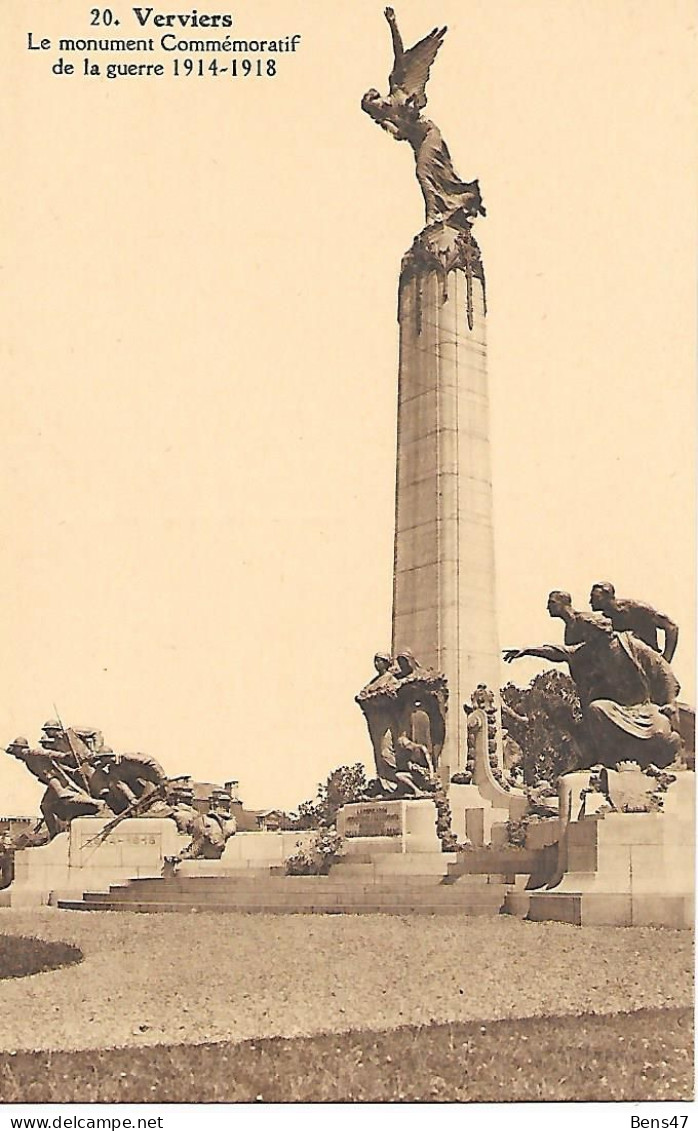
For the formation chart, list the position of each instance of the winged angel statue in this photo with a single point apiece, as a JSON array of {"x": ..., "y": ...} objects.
[{"x": 447, "y": 198}]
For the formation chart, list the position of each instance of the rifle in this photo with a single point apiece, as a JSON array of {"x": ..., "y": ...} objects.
[
  {"x": 60, "y": 773},
  {"x": 70, "y": 735}
]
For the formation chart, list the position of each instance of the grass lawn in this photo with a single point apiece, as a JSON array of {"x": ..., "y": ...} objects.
[
  {"x": 230, "y": 1008},
  {"x": 20, "y": 956},
  {"x": 212, "y": 979},
  {"x": 646, "y": 1055}
]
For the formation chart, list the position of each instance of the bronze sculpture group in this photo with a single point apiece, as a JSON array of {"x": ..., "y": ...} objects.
[
  {"x": 405, "y": 710},
  {"x": 627, "y": 690},
  {"x": 85, "y": 778}
]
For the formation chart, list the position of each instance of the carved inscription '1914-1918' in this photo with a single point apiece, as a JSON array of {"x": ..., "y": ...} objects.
[{"x": 373, "y": 820}]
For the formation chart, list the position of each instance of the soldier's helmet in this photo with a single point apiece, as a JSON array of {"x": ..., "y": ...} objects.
[
  {"x": 93, "y": 738},
  {"x": 104, "y": 758},
  {"x": 220, "y": 798},
  {"x": 52, "y": 726},
  {"x": 18, "y": 744},
  {"x": 181, "y": 790}
]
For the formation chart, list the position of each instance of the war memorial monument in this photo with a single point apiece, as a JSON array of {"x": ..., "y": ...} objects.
[{"x": 610, "y": 843}]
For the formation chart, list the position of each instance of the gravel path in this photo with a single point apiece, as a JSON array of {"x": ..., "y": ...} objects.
[{"x": 151, "y": 979}]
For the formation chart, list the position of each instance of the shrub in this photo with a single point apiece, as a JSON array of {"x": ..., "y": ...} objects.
[
  {"x": 516, "y": 833},
  {"x": 316, "y": 858}
]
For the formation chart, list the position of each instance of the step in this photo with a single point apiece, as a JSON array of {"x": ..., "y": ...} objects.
[
  {"x": 405, "y": 864},
  {"x": 163, "y": 888},
  {"x": 390, "y": 873},
  {"x": 355, "y": 858},
  {"x": 215, "y": 883},
  {"x": 474, "y": 908},
  {"x": 495, "y": 861},
  {"x": 158, "y": 889},
  {"x": 369, "y": 875},
  {"x": 309, "y": 883},
  {"x": 442, "y": 895}
]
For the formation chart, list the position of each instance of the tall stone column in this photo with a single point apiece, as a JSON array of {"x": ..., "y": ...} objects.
[{"x": 444, "y": 575}]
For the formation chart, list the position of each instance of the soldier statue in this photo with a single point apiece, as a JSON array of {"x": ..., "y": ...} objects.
[{"x": 64, "y": 799}]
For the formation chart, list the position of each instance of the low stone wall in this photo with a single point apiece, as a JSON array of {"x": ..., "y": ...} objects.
[
  {"x": 78, "y": 860},
  {"x": 262, "y": 850}
]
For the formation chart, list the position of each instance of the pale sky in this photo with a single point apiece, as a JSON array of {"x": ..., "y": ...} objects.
[{"x": 200, "y": 364}]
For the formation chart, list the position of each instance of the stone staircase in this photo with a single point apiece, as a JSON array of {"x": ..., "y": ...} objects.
[
  {"x": 497, "y": 863},
  {"x": 357, "y": 886}
]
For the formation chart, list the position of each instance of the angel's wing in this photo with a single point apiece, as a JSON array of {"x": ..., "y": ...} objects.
[{"x": 411, "y": 71}]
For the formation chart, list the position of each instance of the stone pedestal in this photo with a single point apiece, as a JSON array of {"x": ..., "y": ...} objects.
[
  {"x": 624, "y": 869},
  {"x": 475, "y": 818},
  {"x": 371, "y": 827},
  {"x": 444, "y": 578},
  {"x": 74, "y": 862},
  {"x": 480, "y": 810}
]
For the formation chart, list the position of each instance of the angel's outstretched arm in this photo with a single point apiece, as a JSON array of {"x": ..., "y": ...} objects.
[{"x": 398, "y": 45}]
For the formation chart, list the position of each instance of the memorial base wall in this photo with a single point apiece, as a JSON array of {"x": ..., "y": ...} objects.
[
  {"x": 624, "y": 869},
  {"x": 404, "y": 826},
  {"x": 75, "y": 861}
]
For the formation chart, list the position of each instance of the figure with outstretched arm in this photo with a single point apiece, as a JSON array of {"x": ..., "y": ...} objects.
[
  {"x": 398, "y": 45},
  {"x": 64, "y": 798},
  {"x": 627, "y": 692},
  {"x": 556, "y": 653},
  {"x": 447, "y": 198}
]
